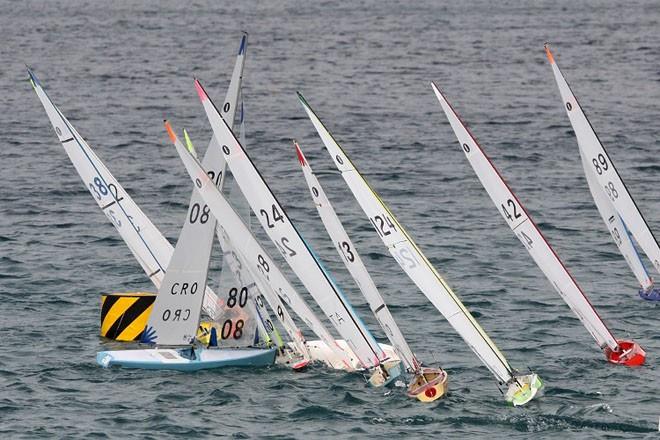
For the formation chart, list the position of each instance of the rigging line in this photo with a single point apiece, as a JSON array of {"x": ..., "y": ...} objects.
[{"x": 338, "y": 294}]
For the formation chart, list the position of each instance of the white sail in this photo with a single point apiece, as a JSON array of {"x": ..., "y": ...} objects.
[
  {"x": 215, "y": 164},
  {"x": 524, "y": 228},
  {"x": 229, "y": 108},
  {"x": 606, "y": 175},
  {"x": 271, "y": 297},
  {"x": 244, "y": 308},
  {"x": 616, "y": 226},
  {"x": 290, "y": 243},
  {"x": 176, "y": 310},
  {"x": 252, "y": 252},
  {"x": 245, "y": 316},
  {"x": 412, "y": 260},
  {"x": 149, "y": 246},
  {"x": 178, "y": 305},
  {"x": 351, "y": 258}
]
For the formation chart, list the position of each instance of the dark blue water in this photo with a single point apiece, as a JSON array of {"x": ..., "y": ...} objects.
[{"x": 116, "y": 70}]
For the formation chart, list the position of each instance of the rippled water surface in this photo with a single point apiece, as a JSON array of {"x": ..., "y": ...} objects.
[{"x": 118, "y": 69}]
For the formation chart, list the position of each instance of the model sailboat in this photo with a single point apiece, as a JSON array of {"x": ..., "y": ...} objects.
[
  {"x": 516, "y": 216},
  {"x": 175, "y": 316},
  {"x": 149, "y": 246},
  {"x": 124, "y": 214},
  {"x": 520, "y": 388},
  {"x": 429, "y": 384},
  {"x": 613, "y": 200}
]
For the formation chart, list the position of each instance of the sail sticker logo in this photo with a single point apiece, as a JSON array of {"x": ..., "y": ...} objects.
[
  {"x": 340, "y": 161},
  {"x": 569, "y": 106},
  {"x": 225, "y": 149},
  {"x": 148, "y": 335},
  {"x": 466, "y": 148}
]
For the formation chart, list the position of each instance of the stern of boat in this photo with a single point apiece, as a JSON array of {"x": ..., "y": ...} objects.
[
  {"x": 290, "y": 358},
  {"x": 429, "y": 385},
  {"x": 386, "y": 374},
  {"x": 651, "y": 294},
  {"x": 631, "y": 354},
  {"x": 522, "y": 389}
]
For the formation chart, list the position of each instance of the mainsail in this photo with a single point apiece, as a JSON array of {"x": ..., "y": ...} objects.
[
  {"x": 297, "y": 253},
  {"x": 349, "y": 255},
  {"x": 529, "y": 234},
  {"x": 412, "y": 260},
  {"x": 607, "y": 186},
  {"x": 178, "y": 305}
]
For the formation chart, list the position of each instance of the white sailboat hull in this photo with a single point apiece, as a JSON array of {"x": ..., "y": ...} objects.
[
  {"x": 319, "y": 351},
  {"x": 173, "y": 359}
]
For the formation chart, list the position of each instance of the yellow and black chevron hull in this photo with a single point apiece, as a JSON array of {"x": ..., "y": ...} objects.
[{"x": 124, "y": 315}]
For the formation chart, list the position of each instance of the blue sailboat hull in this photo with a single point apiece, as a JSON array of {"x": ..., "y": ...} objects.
[
  {"x": 182, "y": 360},
  {"x": 652, "y": 294}
]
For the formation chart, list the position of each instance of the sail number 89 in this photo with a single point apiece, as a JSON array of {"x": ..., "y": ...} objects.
[{"x": 600, "y": 163}]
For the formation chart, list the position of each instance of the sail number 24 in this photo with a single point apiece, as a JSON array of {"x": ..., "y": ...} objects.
[{"x": 383, "y": 224}]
